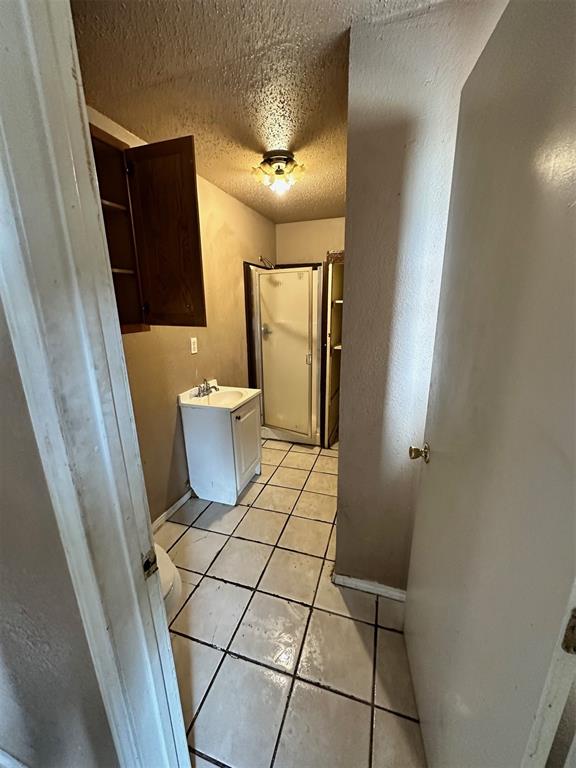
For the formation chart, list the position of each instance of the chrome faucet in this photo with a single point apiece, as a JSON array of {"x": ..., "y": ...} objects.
[{"x": 205, "y": 388}]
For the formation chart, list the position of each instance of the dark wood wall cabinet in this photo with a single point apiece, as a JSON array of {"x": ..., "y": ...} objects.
[{"x": 150, "y": 209}]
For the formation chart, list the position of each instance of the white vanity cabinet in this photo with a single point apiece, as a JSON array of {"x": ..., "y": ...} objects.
[{"x": 223, "y": 443}]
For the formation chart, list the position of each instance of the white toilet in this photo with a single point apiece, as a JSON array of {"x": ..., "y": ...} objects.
[{"x": 170, "y": 582}]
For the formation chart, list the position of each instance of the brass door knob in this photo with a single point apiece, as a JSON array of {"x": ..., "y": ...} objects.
[{"x": 420, "y": 453}]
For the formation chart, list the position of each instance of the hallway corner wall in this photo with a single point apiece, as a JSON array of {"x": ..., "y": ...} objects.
[{"x": 405, "y": 77}]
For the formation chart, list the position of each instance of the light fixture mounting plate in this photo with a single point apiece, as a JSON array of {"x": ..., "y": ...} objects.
[{"x": 278, "y": 155}]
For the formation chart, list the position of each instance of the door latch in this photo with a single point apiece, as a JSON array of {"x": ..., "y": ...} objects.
[
  {"x": 569, "y": 641},
  {"x": 149, "y": 563},
  {"x": 309, "y": 358}
]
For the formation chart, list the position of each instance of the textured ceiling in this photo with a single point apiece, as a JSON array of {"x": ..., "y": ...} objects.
[{"x": 242, "y": 76}]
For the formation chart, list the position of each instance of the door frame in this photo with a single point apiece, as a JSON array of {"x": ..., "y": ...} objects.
[
  {"x": 253, "y": 335},
  {"x": 56, "y": 288}
]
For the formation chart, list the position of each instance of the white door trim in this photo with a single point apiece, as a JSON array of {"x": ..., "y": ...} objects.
[
  {"x": 159, "y": 522},
  {"x": 373, "y": 587},
  {"x": 57, "y": 292},
  {"x": 559, "y": 681}
]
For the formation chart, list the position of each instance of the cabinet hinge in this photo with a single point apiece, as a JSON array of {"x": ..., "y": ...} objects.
[
  {"x": 149, "y": 563},
  {"x": 129, "y": 166},
  {"x": 569, "y": 641}
]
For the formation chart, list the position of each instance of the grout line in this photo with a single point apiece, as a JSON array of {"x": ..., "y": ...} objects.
[
  {"x": 211, "y": 760},
  {"x": 397, "y": 714},
  {"x": 254, "y": 590},
  {"x": 330, "y": 689},
  {"x": 301, "y": 649},
  {"x": 226, "y": 650},
  {"x": 294, "y": 678},
  {"x": 228, "y": 536},
  {"x": 175, "y": 541},
  {"x": 278, "y": 670},
  {"x": 314, "y": 519},
  {"x": 311, "y": 607},
  {"x": 288, "y": 600},
  {"x": 202, "y": 576},
  {"x": 226, "y": 653},
  {"x": 174, "y": 522},
  {"x": 390, "y": 629}
]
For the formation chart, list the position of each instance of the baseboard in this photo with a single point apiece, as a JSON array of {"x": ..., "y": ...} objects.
[
  {"x": 268, "y": 433},
  {"x": 170, "y": 511},
  {"x": 370, "y": 586}
]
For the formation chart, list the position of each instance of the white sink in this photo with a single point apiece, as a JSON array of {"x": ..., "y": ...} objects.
[{"x": 228, "y": 398}]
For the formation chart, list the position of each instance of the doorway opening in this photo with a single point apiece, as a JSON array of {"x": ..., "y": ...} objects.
[{"x": 294, "y": 324}]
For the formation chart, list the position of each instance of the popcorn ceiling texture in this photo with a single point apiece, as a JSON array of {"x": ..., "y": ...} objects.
[{"x": 242, "y": 76}]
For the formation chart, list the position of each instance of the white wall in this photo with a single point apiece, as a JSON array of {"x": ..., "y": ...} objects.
[
  {"x": 308, "y": 241},
  {"x": 405, "y": 78},
  {"x": 51, "y": 711}
]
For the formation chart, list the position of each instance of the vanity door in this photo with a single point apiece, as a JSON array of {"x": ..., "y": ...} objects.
[{"x": 247, "y": 443}]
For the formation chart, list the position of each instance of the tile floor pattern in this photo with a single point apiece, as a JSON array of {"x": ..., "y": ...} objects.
[{"x": 278, "y": 667}]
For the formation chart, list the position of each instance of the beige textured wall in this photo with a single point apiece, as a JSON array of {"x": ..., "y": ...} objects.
[
  {"x": 308, "y": 241},
  {"x": 159, "y": 362},
  {"x": 405, "y": 79},
  {"x": 51, "y": 709}
]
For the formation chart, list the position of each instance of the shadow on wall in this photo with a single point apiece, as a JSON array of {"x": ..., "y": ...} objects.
[
  {"x": 176, "y": 478},
  {"x": 369, "y": 316}
]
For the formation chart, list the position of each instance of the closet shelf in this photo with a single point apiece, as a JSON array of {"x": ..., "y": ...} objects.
[{"x": 113, "y": 206}]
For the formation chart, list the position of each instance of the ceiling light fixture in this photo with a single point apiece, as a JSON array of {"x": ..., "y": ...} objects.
[{"x": 278, "y": 171}]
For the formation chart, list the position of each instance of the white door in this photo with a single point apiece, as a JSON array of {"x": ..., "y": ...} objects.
[
  {"x": 286, "y": 344},
  {"x": 493, "y": 556},
  {"x": 57, "y": 293},
  {"x": 247, "y": 442}
]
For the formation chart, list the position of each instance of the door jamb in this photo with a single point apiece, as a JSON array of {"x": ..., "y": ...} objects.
[{"x": 559, "y": 680}]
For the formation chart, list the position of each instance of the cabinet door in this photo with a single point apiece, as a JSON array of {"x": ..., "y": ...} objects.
[
  {"x": 247, "y": 443},
  {"x": 162, "y": 181}
]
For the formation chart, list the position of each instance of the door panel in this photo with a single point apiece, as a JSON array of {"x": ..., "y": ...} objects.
[
  {"x": 493, "y": 559},
  {"x": 286, "y": 341},
  {"x": 247, "y": 443},
  {"x": 164, "y": 202}
]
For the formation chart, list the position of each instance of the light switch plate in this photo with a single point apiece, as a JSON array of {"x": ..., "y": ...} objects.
[{"x": 193, "y": 345}]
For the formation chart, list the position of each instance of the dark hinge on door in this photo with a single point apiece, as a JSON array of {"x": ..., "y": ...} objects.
[
  {"x": 569, "y": 641},
  {"x": 149, "y": 563}
]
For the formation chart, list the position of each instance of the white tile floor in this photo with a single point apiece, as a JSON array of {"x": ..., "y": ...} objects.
[{"x": 276, "y": 665}]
